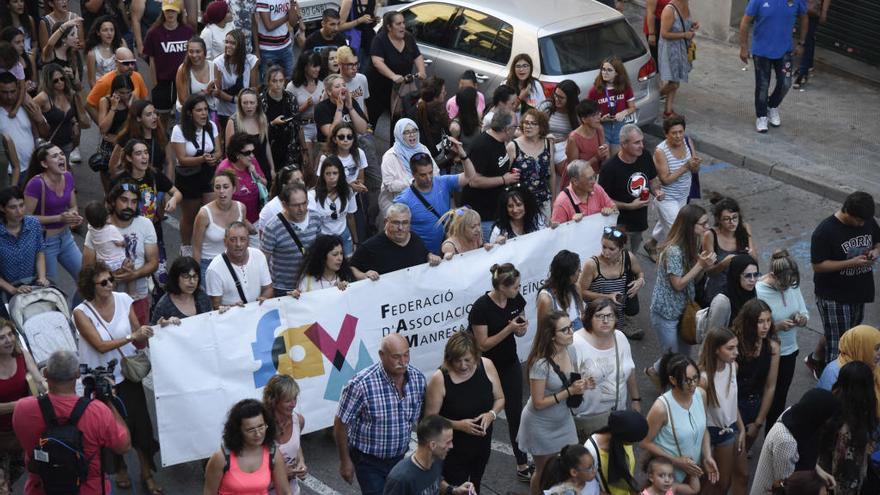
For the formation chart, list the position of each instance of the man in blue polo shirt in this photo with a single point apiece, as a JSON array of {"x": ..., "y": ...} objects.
[
  {"x": 428, "y": 197},
  {"x": 771, "y": 51}
]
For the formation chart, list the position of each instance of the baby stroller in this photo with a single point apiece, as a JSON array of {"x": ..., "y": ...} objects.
[{"x": 44, "y": 320}]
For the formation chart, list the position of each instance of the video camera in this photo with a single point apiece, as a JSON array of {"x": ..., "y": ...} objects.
[{"x": 98, "y": 381}]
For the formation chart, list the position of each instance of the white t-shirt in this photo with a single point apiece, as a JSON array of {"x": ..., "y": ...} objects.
[
  {"x": 359, "y": 89},
  {"x": 203, "y": 142},
  {"x": 269, "y": 211},
  {"x": 600, "y": 364},
  {"x": 324, "y": 213},
  {"x": 302, "y": 96},
  {"x": 228, "y": 79},
  {"x": 117, "y": 328},
  {"x": 21, "y": 132},
  {"x": 215, "y": 39},
  {"x": 352, "y": 168},
  {"x": 139, "y": 234},
  {"x": 254, "y": 275},
  {"x": 278, "y": 38}
]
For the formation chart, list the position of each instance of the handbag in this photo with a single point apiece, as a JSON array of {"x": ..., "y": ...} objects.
[
  {"x": 261, "y": 189},
  {"x": 404, "y": 97},
  {"x": 687, "y": 323},
  {"x": 691, "y": 44},
  {"x": 135, "y": 367},
  {"x": 630, "y": 304}
]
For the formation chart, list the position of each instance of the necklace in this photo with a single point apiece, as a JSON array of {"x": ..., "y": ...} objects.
[{"x": 417, "y": 462}]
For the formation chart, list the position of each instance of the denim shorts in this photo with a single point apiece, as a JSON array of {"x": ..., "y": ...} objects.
[{"x": 719, "y": 439}]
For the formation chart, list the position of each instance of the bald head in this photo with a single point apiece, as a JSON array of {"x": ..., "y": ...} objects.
[
  {"x": 394, "y": 354},
  {"x": 125, "y": 61}
]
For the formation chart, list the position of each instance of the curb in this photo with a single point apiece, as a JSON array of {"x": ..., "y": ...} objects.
[{"x": 779, "y": 171}]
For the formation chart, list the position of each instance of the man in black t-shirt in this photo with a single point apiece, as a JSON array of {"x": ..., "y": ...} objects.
[
  {"x": 629, "y": 178},
  {"x": 328, "y": 36},
  {"x": 422, "y": 471},
  {"x": 843, "y": 251},
  {"x": 492, "y": 169},
  {"x": 394, "y": 249}
]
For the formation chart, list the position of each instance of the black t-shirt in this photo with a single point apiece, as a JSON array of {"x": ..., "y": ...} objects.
[
  {"x": 486, "y": 312},
  {"x": 490, "y": 159},
  {"x": 623, "y": 182},
  {"x": 833, "y": 240},
  {"x": 406, "y": 478},
  {"x": 317, "y": 43},
  {"x": 399, "y": 62},
  {"x": 379, "y": 253},
  {"x": 326, "y": 111}
]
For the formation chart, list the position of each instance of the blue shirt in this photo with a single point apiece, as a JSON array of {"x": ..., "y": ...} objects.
[
  {"x": 829, "y": 375},
  {"x": 774, "y": 21},
  {"x": 424, "y": 223},
  {"x": 18, "y": 255},
  {"x": 379, "y": 420}
]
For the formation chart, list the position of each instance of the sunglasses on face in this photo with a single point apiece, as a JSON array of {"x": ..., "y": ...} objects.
[
  {"x": 751, "y": 276},
  {"x": 128, "y": 63},
  {"x": 345, "y": 137},
  {"x": 106, "y": 282},
  {"x": 58, "y": 80},
  {"x": 247, "y": 153}
]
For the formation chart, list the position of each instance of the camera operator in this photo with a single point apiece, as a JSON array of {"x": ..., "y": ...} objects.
[
  {"x": 109, "y": 329},
  {"x": 101, "y": 426}
]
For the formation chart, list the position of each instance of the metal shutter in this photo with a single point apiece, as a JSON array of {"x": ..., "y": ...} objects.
[{"x": 853, "y": 29}]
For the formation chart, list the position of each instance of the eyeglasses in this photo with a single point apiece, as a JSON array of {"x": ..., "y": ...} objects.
[
  {"x": 608, "y": 69},
  {"x": 691, "y": 380},
  {"x": 612, "y": 232},
  {"x": 522, "y": 66},
  {"x": 351, "y": 65},
  {"x": 399, "y": 223},
  {"x": 411, "y": 132},
  {"x": 58, "y": 80},
  {"x": 345, "y": 137},
  {"x": 256, "y": 430},
  {"x": 129, "y": 63},
  {"x": 604, "y": 316},
  {"x": 565, "y": 329},
  {"x": 189, "y": 276},
  {"x": 591, "y": 178},
  {"x": 246, "y": 152},
  {"x": 529, "y": 123},
  {"x": 730, "y": 219},
  {"x": 107, "y": 281},
  {"x": 751, "y": 276},
  {"x": 333, "y": 213}
]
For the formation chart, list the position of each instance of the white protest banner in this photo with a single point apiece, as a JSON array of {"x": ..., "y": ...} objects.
[{"x": 211, "y": 361}]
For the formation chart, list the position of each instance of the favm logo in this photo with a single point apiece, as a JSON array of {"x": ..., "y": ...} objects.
[{"x": 300, "y": 352}]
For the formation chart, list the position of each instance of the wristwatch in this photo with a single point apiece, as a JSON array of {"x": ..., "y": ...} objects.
[
  {"x": 129, "y": 338},
  {"x": 450, "y": 489}
]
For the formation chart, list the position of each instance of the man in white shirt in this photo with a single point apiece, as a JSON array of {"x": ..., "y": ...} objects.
[
  {"x": 22, "y": 127},
  {"x": 243, "y": 278}
]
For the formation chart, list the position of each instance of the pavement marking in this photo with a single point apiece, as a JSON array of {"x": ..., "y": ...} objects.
[
  {"x": 714, "y": 167},
  {"x": 318, "y": 486},
  {"x": 172, "y": 222}
]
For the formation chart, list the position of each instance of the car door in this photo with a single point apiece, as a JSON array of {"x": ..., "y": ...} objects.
[
  {"x": 479, "y": 42},
  {"x": 429, "y": 23}
]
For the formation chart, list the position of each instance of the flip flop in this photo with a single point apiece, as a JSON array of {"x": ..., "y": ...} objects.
[{"x": 151, "y": 487}]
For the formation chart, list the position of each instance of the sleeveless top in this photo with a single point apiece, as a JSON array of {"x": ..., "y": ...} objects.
[
  {"x": 290, "y": 451},
  {"x": 534, "y": 171},
  {"x": 681, "y": 188},
  {"x": 119, "y": 119},
  {"x": 574, "y": 309},
  {"x": 605, "y": 285},
  {"x": 724, "y": 414},
  {"x": 752, "y": 374},
  {"x": 103, "y": 65},
  {"x": 60, "y": 124},
  {"x": 13, "y": 388},
  {"x": 468, "y": 399},
  {"x": 196, "y": 86},
  {"x": 237, "y": 482},
  {"x": 212, "y": 244},
  {"x": 716, "y": 282},
  {"x": 690, "y": 425}
]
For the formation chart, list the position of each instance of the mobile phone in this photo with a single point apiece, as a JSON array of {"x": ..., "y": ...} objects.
[{"x": 520, "y": 320}]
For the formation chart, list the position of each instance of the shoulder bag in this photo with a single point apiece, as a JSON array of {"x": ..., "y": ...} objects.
[
  {"x": 671, "y": 424},
  {"x": 135, "y": 367},
  {"x": 235, "y": 278},
  {"x": 261, "y": 189},
  {"x": 687, "y": 322},
  {"x": 200, "y": 150},
  {"x": 695, "y": 192},
  {"x": 299, "y": 244},
  {"x": 428, "y": 206},
  {"x": 577, "y": 209},
  {"x": 630, "y": 304},
  {"x": 603, "y": 483},
  {"x": 690, "y": 43},
  {"x": 573, "y": 400}
]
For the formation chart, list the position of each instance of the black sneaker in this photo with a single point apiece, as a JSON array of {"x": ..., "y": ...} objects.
[{"x": 525, "y": 475}]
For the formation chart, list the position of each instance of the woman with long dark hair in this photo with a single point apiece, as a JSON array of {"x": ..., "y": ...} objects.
[
  {"x": 102, "y": 40},
  {"x": 326, "y": 265},
  {"x": 234, "y": 70},
  {"x": 63, "y": 49},
  {"x": 518, "y": 214},
  {"x": 143, "y": 123},
  {"x": 730, "y": 236},
  {"x": 333, "y": 202},
  {"x": 62, "y": 107},
  {"x": 307, "y": 87},
  {"x": 742, "y": 276},
  {"x": 196, "y": 76},
  {"x": 17, "y": 39},
  {"x": 560, "y": 291},
  {"x": 521, "y": 78},
  {"x": 13, "y": 14},
  {"x": 612, "y": 448},
  {"x": 562, "y": 118},
  {"x": 280, "y": 108},
  {"x": 112, "y": 115},
  {"x": 614, "y": 95}
]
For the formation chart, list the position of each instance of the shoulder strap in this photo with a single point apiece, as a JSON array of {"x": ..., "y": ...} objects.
[
  {"x": 78, "y": 410},
  {"x": 48, "y": 411},
  {"x": 687, "y": 142},
  {"x": 234, "y": 278},
  {"x": 577, "y": 209},
  {"x": 101, "y": 322},
  {"x": 558, "y": 372},
  {"x": 602, "y": 481},
  {"x": 42, "y": 196},
  {"x": 671, "y": 423},
  {"x": 428, "y": 206},
  {"x": 299, "y": 244},
  {"x": 226, "y": 455},
  {"x": 616, "y": 373}
]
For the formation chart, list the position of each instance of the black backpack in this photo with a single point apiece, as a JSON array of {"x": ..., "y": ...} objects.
[{"x": 59, "y": 459}]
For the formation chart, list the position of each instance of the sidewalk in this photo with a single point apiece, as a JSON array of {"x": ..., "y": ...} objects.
[{"x": 828, "y": 143}]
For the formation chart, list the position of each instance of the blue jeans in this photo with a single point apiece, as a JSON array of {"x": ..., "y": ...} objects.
[
  {"x": 486, "y": 227},
  {"x": 809, "y": 46},
  {"x": 61, "y": 248},
  {"x": 782, "y": 68},
  {"x": 203, "y": 269},
  {"x": 282, "y": 57},
  {"x": 372, "y": 471},
  {"x": 667, "y": 334},
  {"x": 347, "y": 243}
]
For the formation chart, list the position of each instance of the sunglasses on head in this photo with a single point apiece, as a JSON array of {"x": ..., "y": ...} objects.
[
  {"x": 612, "y": 232},
  {"x": 420, "y": 156}
]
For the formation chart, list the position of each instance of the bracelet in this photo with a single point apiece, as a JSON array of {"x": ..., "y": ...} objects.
[
  {"x": 503, "y": 182},
  {"x": 494, "y": 416},
  {"x": 556, "y": 398},
  {"x": 636, "y": 399}
]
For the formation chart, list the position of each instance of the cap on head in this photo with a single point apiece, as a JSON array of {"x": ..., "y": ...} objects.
[{"x": 172, "y": 5}]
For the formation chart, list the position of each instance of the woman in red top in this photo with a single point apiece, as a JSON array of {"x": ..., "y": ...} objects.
[
  {"x": 587, "y": 141},
  {"x": 14, "y": 367},
  {"x": 614, "y": 96},
  {"x": 248, "y": 449}
]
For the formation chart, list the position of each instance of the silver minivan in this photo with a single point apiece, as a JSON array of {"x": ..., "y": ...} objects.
[{"x": 567, "y": 39}]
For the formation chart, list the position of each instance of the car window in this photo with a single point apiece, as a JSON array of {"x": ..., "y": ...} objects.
[
  {"x": 583, "y": 49},
  {"x": 482, "y": 36},
  {"x": 429, "y": 23}
]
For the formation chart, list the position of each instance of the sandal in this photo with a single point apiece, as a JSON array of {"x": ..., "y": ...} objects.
[
  {"x": 123, "y": 483},
  {"x": 151, "y": 486},
  {"x": 651, "y": 252},
  {"x": 651, "y": 373}
]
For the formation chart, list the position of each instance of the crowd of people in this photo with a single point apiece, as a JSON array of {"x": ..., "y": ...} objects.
[{"x": 272, "y": 161}]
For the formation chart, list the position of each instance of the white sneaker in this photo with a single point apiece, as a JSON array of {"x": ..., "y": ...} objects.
[
  {"x": 75, "y": 156},
  {"x": 773, "y": 115},
  {"x": 761, "y": 124}
]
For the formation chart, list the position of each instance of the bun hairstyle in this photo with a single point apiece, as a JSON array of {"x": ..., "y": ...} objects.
[
  {"x": 503, "y": 275},
  {"x": 784, "y": 269}
]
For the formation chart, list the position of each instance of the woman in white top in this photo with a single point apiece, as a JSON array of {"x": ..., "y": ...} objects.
[
  {"x": 279, "y": 397},
  {"x": 332, "y": 201},
  {"x": 235, "y": 70},
  {"x": 196, "y": 76},
  {"x": 101, "y": 44},
  {"x": 560, "y": 291},
  {"x": 308, "y": 88},
  {"x": 213, "y": 219},
  {"x": 343, "y": 143},
  {"x": 528, "y": 89},
  {"x": 286, "y": 175},
  {"x": 217, "y": 19},
  {"x": 727, "y": 434},
  {"x": 604, "y": 360},
  {"x": 396, "y": 172},
  {"x": 108, "y": 328}
]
